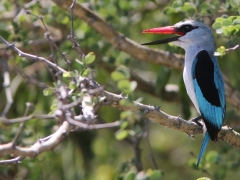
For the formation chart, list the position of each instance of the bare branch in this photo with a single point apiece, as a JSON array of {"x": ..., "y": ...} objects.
[
  {"x": 38, "y": 147},
  {"x": 233, "y": 48},
  {"x": 16, "y": 160},
  {"x": 157, "y": 116},
  {"x": 91, "y": 126},
  {"x": 27, "y": 118}
]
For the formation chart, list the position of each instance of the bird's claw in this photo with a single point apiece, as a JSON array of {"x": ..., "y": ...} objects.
[
  {"x": 157, "y": 107},
  {"x": 196, "y": 119}
]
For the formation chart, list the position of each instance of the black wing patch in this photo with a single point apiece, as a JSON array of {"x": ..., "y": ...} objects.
[{"x": 204, "y": 74}]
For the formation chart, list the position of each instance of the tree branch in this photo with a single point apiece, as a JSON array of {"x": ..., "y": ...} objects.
[
  {"x": 175, "y": 122},
  {"x": 38, "y": 147}
]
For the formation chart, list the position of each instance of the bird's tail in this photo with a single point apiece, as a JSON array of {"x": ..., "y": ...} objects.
[{"x": 204, "y": 145}]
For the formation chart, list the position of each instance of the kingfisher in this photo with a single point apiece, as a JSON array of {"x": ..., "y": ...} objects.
[{"x": 202, "y": 76}]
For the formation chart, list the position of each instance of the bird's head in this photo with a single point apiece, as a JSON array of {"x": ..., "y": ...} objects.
[{"x": 189, "y": 33}]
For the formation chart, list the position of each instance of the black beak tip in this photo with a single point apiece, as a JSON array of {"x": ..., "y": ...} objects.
[{"x": 162, "y": 41}]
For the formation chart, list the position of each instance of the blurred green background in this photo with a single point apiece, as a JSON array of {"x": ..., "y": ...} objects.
[{"x": 96, "y": 154}]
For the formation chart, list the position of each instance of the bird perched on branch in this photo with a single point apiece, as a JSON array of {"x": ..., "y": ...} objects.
[{"x": 202, "y": 76}]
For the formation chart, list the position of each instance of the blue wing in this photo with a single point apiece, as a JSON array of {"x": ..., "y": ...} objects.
[{"x": 209, "y": 88}]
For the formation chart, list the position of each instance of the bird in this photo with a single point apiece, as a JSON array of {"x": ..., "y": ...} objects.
[{"x": 202, "y": 76}]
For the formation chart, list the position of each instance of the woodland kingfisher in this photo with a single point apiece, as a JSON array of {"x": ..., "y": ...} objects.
[{"x": 202, "y": 76}]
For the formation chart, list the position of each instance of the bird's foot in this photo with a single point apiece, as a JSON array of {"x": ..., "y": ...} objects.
[
  {"x": 157, "y": 107},
  {"x": 196, "y": 119}
]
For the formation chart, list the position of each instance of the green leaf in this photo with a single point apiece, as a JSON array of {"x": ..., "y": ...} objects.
[
  {"x": 177, "y": 4},
  {"x": 22, "y": 18},
  {"x": 234, "y": 3},
  {"x": 156, "y": 175},
  {"x": 48, "y": 91},
  {"x": 116, "y": 76},
  {"x": 124, "y": 70},
  {"x": 86, "y": 72},
  {"x": 204, "y": 8},
  {"x": 124, "y": 86},
  {"x": 233, "y": 30},
  {"x": 193, "y": 163},
  {"x": 121, "y": 134},
  {"x": 220, "y": 51},
  {"x": 231, "y": 18},
  {"x": 226, "y": 31},
  {"x": 66, "y": 74},
  {"x": 188, "y": 8},
  {"x": 124, "y": 124},
  {"x": 212, "y": 157},
  {"x": 217, "y": 25},
  {"x": 126, "y": 102},
  {"x": 54, "y": 105},
  {"x": 219, "y": 19},
  {"x": 130, "y": 176},
  {"x": 126, "y": 114},
  {"x": 224, "y": 16},
  {"x": 72, "y": 85},
  {"x": 226, "y": 22},
  {"x": 65, "y": 20},
  {"x": 89, "y": 58},
  {"x": 169, "y": 11}
]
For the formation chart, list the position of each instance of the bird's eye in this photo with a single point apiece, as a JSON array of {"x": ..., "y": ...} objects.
[{"x": 186, "y": 28}]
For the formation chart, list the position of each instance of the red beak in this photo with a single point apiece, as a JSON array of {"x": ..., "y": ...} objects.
[{"x": 163, "y": 30}]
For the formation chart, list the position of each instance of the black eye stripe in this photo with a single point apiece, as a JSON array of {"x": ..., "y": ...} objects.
[{"x": 186, "y": 28}]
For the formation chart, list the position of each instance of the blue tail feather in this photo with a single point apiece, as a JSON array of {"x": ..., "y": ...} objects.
[{"x": 204, "y": 145}]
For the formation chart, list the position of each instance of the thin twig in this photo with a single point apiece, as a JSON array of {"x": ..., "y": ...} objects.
[
  {"x": 30, "y": 56},
  {"x": 27, "y": 118},
  {"x": 151, "y": 154},
  {"x": 233, "y": 48},
  {"x": 16, "y": 160},
  {"x": 22, "y": 124},
  {"x": 92, "y": 126},
  {"x": 72, "y": 37}
]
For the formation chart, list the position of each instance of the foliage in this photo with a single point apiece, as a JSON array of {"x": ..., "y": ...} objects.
[{"x": 96, "y": 154}]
